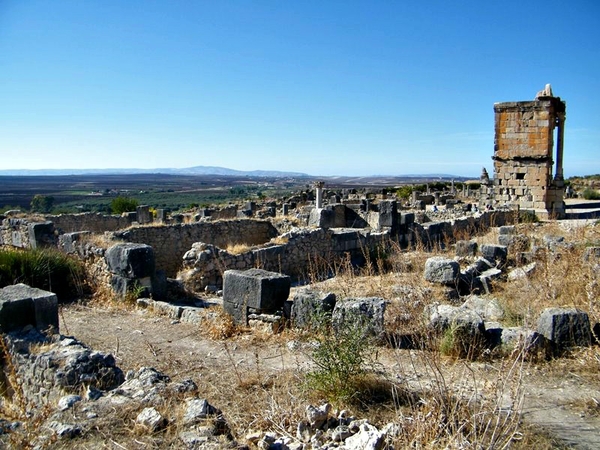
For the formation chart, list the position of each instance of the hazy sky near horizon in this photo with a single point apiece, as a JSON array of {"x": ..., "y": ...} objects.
[{"x": 322, "y": 87}]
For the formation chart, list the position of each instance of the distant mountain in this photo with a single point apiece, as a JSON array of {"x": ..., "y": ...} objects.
[
  {"x": 197, "y": 170},
  {"x": 223, "y": 171}
]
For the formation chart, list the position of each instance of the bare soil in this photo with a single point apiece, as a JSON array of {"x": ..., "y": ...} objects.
[{"x": 561, "y": 397}]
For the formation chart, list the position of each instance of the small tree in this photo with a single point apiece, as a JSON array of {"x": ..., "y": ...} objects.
[
  {"x": 122, "y": 204},
  {"x": 42, "y": 203}
]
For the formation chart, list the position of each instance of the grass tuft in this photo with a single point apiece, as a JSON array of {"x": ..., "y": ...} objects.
[{"x": 46, "y": 269}]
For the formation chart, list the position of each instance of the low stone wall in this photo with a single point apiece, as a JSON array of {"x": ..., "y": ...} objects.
[
  {"x": 448, "y": 231},
  {"x": 303, "y": 254},
  {"x": 170, "y": 243},
  {"x": 39, "y": 370},
  {"x": 94, "y": 222}
]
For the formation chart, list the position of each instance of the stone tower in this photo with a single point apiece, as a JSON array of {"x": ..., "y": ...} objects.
[{"x": 525, "y": 152}]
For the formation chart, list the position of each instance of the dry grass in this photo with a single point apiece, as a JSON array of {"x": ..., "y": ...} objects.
[
  {"x": 220, "y": 325},
  {"x": 279, "y": 240},
  {"x": 100, "y": 240},
  {"x": 238, "y": 249},
  {"x": 561, "y": 279}
]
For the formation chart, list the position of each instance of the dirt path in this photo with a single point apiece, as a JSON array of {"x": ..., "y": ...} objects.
[
  {"x": 560, "y": 406},
  {"x": 557, "y": 401}
]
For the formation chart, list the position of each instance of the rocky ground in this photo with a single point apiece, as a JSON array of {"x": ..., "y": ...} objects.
[{"x": 559, "y": 397}]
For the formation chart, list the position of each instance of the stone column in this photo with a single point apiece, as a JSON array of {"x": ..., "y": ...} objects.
[
  {"x": 319, "y": 193},
  {"x": 559, "y": 177}
]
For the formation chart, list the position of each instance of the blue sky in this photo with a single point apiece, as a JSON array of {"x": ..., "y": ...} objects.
[{"x": 322, "y": 87}]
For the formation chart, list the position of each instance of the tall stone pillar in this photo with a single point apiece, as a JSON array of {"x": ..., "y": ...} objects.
[
  {"x": 524, "y": 154},
  {"x": 319, "y": 193}
]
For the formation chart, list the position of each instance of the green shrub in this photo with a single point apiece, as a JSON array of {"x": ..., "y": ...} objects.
[
  {"x": 590, "y": 194},
  {"x": 528, "y": 216},
  {"x": 45, "y": 269},
  {"x": 341, "y": 363},
  {"x": 404, "y": 192},
  {"x": 122, "y": 204},
  {"x": 459, "y": 341},
  {"x": 42, "y": 203}
]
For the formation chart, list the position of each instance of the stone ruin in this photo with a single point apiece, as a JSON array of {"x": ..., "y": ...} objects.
[
  {"x": 528, "y": 145},
  {"x": 334, "y": 227}
]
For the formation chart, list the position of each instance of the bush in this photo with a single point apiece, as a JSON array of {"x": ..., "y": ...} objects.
[
  {"x": 590, "y": 194},
  {"x": 527, "y": 216},
  {"x": 460, "y": 342},
  {"x": 121, "y": 204},
  {"x": 43, "y": 269},
  {"x": 404, "y": 192},
  {"x": 341, "y": 361},
  {"x": 42, "y": 203}
]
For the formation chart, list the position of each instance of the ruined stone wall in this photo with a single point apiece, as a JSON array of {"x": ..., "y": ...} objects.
[
  {"x": 22, "y": 233},
  {"x": 307, "y": 253},
  {"x": 303, "y": 254},
  {"x": 448, "y": 231},
  {"x": 523, "y": 155},
  {"x": 48, "y": 368},
  {"x": 94, "y": 222},
  {"x": 171, "y": 242}
]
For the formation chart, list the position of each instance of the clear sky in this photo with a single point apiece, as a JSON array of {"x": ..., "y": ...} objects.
[{"x": 322, "y": 87}]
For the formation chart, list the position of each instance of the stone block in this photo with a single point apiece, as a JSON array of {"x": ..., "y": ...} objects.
[
  {"x": 41, "y": 235},
  {"x": 321, "y": 218},
  {"x": 466, "y": 248},
  {"x": 310, "y": 308},
  {"x": 131, "y": 260},
  {"x": 364, "y": 315},
  {"x": 441, "y": 270},
  {"x": 388, "y": 214},
  {"x": 21, "y": 305},
  {"x": 514, "y": 243},
  {"x": 565, "y": 327},
  {"x": 16, "y": 239},
  {"x": 527, "y": 340},
  {"x": 521, "y": 272},
  {"x": 255, "y": 289},
  {"x": 443, "y": 317},
  {"x": 486, "y": 278},
  {"x": 407, "y": 219},
  {"x": 507, "y": 230},
  {"x": 122, "y": 285},
  {"x": 143, "y": 214},
  {"x": 495, "y": 253},
  {"x": 466, "y": 327},
  {"x": 487, "y": 308}
]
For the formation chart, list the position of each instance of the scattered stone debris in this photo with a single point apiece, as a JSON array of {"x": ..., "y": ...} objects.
[{"x": 326, "y": 428}]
